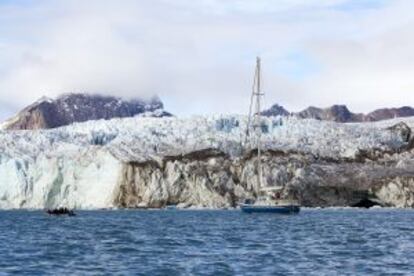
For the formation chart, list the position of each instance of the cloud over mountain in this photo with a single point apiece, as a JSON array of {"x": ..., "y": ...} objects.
[{"x": 198, "y": 56}]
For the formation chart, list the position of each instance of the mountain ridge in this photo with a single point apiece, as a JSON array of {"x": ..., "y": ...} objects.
[
  {"x": 341, "y": 113},
  {"x": 70, "y": 108}
]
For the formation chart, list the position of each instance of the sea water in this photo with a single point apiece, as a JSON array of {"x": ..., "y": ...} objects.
[{"x": 174, "y": 242}]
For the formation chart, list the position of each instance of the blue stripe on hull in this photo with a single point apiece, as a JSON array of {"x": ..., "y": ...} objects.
[{"x": 270, "y": 209}]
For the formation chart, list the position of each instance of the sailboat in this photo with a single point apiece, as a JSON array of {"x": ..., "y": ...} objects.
[{"x": 269, "y": 199}]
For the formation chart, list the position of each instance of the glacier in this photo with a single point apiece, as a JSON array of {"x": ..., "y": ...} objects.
[{"x": 204, "y": 161}]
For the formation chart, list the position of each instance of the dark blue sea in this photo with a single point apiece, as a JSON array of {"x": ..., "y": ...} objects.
[{"x": 126, "y": 242}]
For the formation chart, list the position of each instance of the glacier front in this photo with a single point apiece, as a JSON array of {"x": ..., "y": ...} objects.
[{"x": 205, "y": 162}]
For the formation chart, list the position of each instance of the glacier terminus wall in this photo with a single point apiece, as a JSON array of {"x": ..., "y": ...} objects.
[{"x": 204, "y": 162}]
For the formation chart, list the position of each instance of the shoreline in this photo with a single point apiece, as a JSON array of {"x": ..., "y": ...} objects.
[{"x": 209, "y": 209}]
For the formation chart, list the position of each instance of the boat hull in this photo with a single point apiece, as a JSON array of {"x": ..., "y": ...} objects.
[{"x": 283, "y": 209}]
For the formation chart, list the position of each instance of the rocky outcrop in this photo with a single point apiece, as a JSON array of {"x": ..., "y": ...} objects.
[
  {"x": 336, "y": 113},
  {"x": 211, "y": 178},
  {"x": 218, "y": 181},
  {"x": 186, "y": 182},
  {"x": 340, "y": 113},
  {"x": 389, "y": 113},
  {"x": 276, "y": 110},
  {"x": 70, "y": 108}
]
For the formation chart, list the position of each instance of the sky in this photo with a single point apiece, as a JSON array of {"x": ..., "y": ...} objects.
[{"x": 199, "y": 56}]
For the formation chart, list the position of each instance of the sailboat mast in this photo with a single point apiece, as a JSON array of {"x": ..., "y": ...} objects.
[
  {"x": 258, "y": 125},
  {"x": 254, "y": 119},
  {"x": 252, "y": 103}
]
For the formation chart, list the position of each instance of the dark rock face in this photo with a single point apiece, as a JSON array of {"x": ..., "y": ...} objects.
[
  {"x": 403, "y": 130},
  {"x": 276, "y": 110},
  {"x": 337, "y": 113},
  {"x": 71, "y": 108},
  {"x": 388, "y": 113},
  {"x": 366, "y": 203},
  {"x": 340, "y": 113}
]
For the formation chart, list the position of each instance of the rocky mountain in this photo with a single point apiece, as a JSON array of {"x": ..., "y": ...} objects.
[
  {"x": 340, "y": 113},
  {"x": 336, "y": 113},
  {"x": 276, "y": 110},
  {"x": 201, "y": 162},
  {"x": 389, "y": 113},
  {"x": 70, "y": 108}
]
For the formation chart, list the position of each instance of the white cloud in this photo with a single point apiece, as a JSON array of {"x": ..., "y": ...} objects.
[{"x": 199, "y": 55}]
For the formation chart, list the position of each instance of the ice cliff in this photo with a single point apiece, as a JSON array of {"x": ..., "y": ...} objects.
[{"x": 204, "y": 162}]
